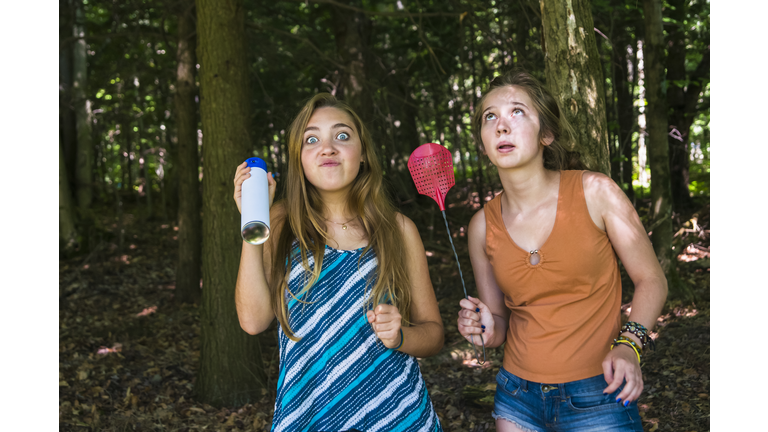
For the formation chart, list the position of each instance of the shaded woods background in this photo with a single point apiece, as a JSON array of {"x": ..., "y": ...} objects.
[{"x": 160, "y": 100}]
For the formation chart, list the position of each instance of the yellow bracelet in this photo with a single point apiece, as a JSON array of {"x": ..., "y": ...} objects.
[{"x": 627, "y": 343}]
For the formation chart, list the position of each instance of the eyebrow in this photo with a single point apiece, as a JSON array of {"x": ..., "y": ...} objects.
[
  {"x": 336, "y": 126},
  {"x": 511, "y": 103}
]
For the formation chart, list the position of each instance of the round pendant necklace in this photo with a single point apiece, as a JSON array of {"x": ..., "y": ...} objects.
[{"x": 343, "y": 225}]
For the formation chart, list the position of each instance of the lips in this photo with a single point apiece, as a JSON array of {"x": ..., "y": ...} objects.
[
  {"x": 330, "y": 163},
  {"x": 505, "y": 147}
]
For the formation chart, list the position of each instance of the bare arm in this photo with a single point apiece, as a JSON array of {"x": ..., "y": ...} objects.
[
  {"x": 632, "y": 245},
  {"x": 610, "y": 208},
  {"x": 493, "y": 313},
  {"x": 425, "y": 336},
  {"x": 252, "y": 297}
]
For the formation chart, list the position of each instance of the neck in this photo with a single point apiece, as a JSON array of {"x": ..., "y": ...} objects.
[
  {"x": 335, "y": 203},
  {"x": 526, "y": 187}
]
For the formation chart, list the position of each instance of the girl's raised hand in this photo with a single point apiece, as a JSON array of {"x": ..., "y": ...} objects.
[
  {"x": 386, "y": 324},
  {"x": 242, "y": 173},
  {"x": 475, "y": 319}
]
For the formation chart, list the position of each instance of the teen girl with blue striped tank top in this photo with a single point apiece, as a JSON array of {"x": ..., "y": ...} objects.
[{"x": 346, "y": 276}]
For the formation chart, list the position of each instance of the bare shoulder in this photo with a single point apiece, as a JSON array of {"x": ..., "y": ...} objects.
[
  {"x": 407, "y": 227},
  {"x": 277, "y": 217},
  {"x": 477, "y": 223},
  {"x": 476, "y": 229},
  {"x": 606, "y": 202},
  {"x": 602, "y": 192}
]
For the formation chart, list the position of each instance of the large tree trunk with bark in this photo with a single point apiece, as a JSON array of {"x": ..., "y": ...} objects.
[
  {"x": 625, "y": 113},
  {"x": 67, "y": 233},
  {"x": 679, "y": 120},
  {"x": 84, "y": 165},
  {"x": 190, "y": 226},
  {"x": 575, "y": 77},
  {"x": 352, "y": 34},
  {"x": 67, "y": 124},
  {"x": 656, "y": 125},
  {"x": 682, "y": 99},
  {"x": 231, "y": 370}
]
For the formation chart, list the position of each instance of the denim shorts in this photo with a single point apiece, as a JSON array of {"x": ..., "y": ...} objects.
[{"x": 572, "y": 406}]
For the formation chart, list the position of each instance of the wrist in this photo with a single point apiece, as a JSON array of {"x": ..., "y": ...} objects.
[{"x": 634, "y": 338}]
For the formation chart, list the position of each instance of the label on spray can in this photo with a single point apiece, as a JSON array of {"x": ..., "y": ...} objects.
[{"x": 254, "y": 201}]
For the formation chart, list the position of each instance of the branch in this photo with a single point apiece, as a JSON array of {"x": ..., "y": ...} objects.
[
  {"x": 293, "y": 36},
  {"x": 64, "y": 42}
]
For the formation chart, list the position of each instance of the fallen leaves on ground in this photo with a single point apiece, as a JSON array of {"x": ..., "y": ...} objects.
[{"x": 128, "y": 353}]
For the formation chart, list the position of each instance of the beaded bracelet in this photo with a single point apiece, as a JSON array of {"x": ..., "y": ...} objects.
[
  {"x": 401, "y": 340},
  {"x": 640, "y": 331},
  {"x": 623, "y": 340},
  {"x": 629, "y": 345}
]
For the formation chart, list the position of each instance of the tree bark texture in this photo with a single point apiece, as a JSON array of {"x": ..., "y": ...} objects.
[
  {"x": 575, "y": 76},
  {"x": 352, "y": 35},
  {"x": 625, "y": 115},
  {"x": 679, "y": 120},
  {"x": 67, "y": 233},
  {"x": 231, "y": 371},
  {"x": 84, "y": 165},
  {"x": 188, "y": 268},
  {"x": 656, "y": 126},
  {"x": 682, "y": 101},
  {"x": 67, "y": 122}
]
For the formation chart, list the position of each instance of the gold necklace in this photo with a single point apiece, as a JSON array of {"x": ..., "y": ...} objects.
[{"x": 343, "y": 225}]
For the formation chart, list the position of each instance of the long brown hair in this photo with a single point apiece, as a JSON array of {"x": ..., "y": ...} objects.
[
  {"x": 305, "y": 224},
  {"x": 551, "y": 121}
]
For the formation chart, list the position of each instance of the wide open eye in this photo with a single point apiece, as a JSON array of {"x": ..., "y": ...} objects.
[
  {"x": 490, "y": 116},
  {"x": 342, "y": 136},
  {"x": 312, "y": 140},
  {"x": 517, "y": 111}
]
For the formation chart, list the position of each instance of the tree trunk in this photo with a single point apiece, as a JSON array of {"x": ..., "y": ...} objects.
[
  {"x": 67, "y": 122},
  {"x": 575, "y": 77},
  {"x": 190, "y": 226},
  {"x": 352, "y": 32},
  {"x": 67, "y": 233},
  {"x": 84, "y": 166},
  {"x": 656, "y": 125},
  {"x": 679, "y": 120},
  {"x": 625, "y": 115},
  {"x": 231, "y": 370}
]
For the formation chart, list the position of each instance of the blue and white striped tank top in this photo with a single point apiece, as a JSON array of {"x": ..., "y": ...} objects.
[{"x": 339, "y": 376}]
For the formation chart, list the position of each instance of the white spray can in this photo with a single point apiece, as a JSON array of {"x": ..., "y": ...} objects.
[{"x": 254, "y": 202}]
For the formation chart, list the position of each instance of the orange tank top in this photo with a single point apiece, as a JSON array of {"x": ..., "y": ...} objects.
[{"x": 565, "y": 310}]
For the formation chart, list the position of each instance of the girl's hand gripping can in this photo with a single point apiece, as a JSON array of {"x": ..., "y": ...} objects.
[{"x": 254, "y": 218}]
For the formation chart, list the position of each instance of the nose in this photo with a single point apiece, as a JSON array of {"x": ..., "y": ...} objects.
[
  {"x": 327, "y": 148},
  {"x": 502, "y": 127}
]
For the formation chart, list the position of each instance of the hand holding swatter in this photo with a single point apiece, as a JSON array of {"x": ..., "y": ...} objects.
[{"x": 431, "y": 167}]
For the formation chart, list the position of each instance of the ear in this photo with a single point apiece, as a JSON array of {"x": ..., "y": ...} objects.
[{"x": 547, "y": 139}]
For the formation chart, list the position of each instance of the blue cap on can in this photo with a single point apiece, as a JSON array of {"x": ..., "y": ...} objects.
[{"x": 255, "y": 162}]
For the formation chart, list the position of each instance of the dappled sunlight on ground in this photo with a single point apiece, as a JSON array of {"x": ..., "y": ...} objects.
[{"x": 147, "y": 311}]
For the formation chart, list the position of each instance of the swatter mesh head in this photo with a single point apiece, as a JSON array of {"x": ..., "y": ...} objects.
[{"x": 432, "y": 172}]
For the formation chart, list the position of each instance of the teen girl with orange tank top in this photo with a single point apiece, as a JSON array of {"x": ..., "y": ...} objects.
[{"x": 544, "y": 254}]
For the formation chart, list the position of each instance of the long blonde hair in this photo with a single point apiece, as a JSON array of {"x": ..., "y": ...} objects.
[{"x": 305, "y": 223}]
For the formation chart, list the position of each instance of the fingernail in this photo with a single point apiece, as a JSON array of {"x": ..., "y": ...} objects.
[
  {"x": 482, "y": 326},
  {"x": 273, "y": 175},
  {"x": 605, "y": 393},
  {"x": 483, "y": 330},
  {"x": 477, "y": 309},
  {"x": 618, "y": 400},
  {"x": 626, "y": 403}
]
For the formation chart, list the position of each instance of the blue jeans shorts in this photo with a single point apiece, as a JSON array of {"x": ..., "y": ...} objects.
[{"x": 572, "y": 406}]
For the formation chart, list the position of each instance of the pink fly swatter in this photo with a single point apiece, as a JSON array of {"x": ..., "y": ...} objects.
[{"x": 431, "y": 167}]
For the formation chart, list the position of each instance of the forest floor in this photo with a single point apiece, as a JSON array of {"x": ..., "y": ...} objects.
[{"x": 128, "y": 354}]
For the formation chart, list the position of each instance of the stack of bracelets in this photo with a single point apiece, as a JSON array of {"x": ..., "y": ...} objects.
[{"x": 638, "y": 330}]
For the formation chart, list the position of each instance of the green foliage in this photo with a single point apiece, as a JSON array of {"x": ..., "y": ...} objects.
[{"x": 425, "y": 65}]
